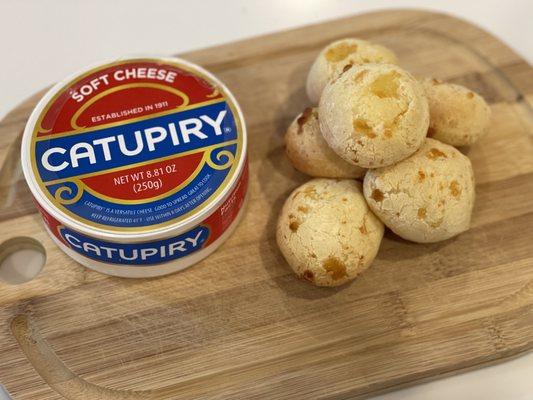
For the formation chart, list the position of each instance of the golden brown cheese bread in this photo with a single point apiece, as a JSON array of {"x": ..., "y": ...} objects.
[
  {"x": 327, "y": 233},
  {"x": 458, "y": 116},
  {"x": 427, "y": 197},
  {"x": 340, "y": 55},
  {"x": 374, "y": 115},
  {"x": 309, "y": 153}
]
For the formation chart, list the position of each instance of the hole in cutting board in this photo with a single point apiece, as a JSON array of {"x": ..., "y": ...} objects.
[{"x": 21, "y": 260}]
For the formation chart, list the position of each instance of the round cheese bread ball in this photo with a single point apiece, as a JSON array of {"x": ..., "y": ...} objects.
[
  {"x": 327, "y": 233},
  {"x": 309, "y": 153},
  {"x": 374, "y": 115},
  {"x": 458, "y": 116},
  {"x": 427, "y": 197},
  {"x": 339, "y": 56}
]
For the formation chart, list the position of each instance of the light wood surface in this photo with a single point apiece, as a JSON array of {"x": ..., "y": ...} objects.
[{"x": 239, "y": 324}]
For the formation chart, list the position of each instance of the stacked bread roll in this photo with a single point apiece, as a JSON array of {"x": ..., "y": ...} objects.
[{"x": 374, "y": 121}]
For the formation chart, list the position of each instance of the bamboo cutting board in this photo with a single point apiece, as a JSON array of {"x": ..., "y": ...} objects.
[{"x": 239, "y": 325}]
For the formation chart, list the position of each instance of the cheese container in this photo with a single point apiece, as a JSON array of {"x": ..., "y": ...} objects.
[{"x": 138, "y": 166}]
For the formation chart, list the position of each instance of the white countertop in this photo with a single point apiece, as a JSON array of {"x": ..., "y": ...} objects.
[{"x": 43, "y": 41}]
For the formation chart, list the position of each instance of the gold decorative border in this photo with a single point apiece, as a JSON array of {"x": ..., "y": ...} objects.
[
  {"x": 66, "y": 189},
  {"x": 132, "y": 120},
  {"x": 85, "y": 106},
  {"x": 147, "y": 228}
]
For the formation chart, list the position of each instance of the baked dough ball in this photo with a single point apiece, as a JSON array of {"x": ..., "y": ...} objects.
[
  {"x": 458, "y": 116},
  {"x": 374, "y": 115},
  {"x": 309, "y": 153},
  {"x": 327, "y": 233},
  {"x": 427, "y": 197},
  {"x": 340, "y": 55}
]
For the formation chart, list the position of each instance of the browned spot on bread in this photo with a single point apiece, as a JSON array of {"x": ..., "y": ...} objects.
[
  {"x": 302, "y": 119},
  {"x": 362, "y": 228},
  {"x": 470, "y": 95},
  {"x": 361, "y": 126},
  {"x": 303, "y": 209},
  {"x": 360, "y": 75},
  {"x": 312, "y": 255},
  {"x": 308, "y": 275},
  {"x": 435, "y": 81},
  {"x": 386, "y": 85},
  {"x": 294, "y": 225},
  {"x": 340, "y": 52},
  {"x": 311, "y": 192},
  {"x": 343, "y": 222},
  {"x": 434, "y": 153},
  {"x": 347, "y": 67},
  {"x": 377, "y": 195},
  {"x": 436, "y": 224},
  {"x": 335, "y": 267},
  {"x": 344, "y": 199},
  {"x": 455, "y": 189},
  {"x": 421, "y": 175},
  {"x": 431, "y": 132},
  {"x": 421, "y": 213},
  {"x": 390, "y": 126}
]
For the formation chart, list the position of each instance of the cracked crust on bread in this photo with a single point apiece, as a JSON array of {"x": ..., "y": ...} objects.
[
  {"x": 327, "y": 233},
  {"x": 427, "y": 197},
  {"x": 339, "y": 56},
  {"x": 374, "y": 115}
]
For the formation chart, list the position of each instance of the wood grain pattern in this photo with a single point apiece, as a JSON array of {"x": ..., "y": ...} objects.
[{"x": 239, "y": 325}]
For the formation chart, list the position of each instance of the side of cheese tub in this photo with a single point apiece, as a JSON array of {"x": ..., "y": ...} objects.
[{"x": 138, "y": 166}]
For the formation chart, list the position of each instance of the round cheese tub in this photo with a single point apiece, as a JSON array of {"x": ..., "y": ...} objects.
[{"x": 138, "y": 166}]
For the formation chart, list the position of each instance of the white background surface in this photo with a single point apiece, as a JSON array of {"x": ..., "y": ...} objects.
[{"x": 43, "y": 41}]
